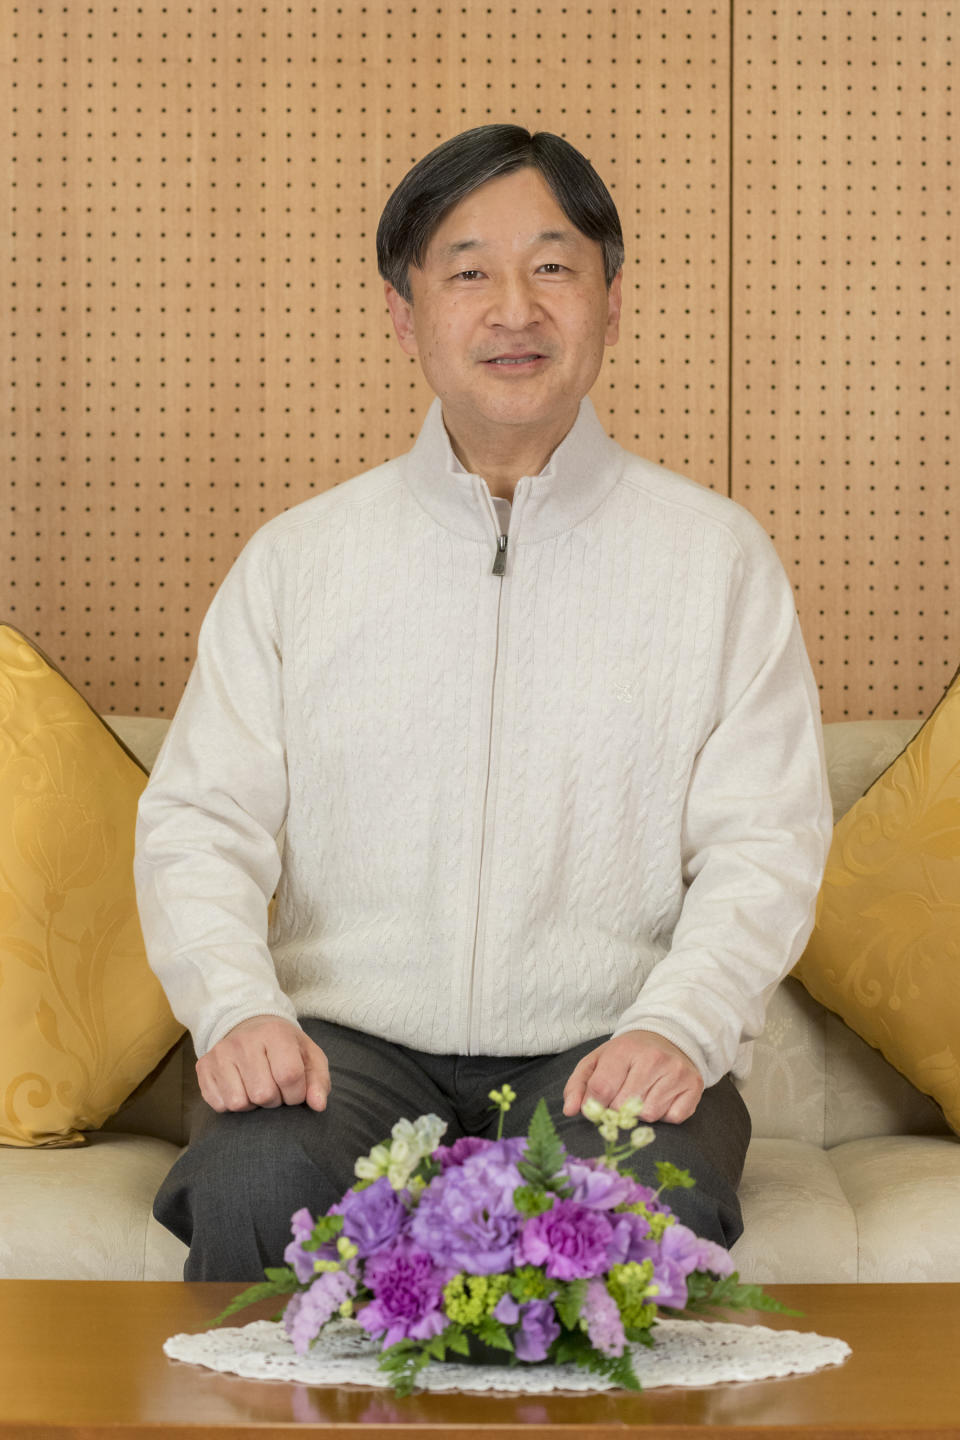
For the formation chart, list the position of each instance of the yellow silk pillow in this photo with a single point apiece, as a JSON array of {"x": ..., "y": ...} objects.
[
  {"x": 885, "y": 950},
  {"x": 82, "y": 1018}
]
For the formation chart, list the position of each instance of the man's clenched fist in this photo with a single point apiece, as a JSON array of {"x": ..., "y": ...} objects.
[{"x": 265, "y": 1061}]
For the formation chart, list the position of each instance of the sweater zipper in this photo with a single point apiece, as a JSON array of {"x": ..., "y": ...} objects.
[{"x": 499, "y": 569}]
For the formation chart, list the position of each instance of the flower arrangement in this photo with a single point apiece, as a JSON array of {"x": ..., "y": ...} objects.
[{"x": 512, "y": 1243}]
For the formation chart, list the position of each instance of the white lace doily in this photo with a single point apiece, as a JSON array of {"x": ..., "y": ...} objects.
[{"x": 687, "y": 1352}]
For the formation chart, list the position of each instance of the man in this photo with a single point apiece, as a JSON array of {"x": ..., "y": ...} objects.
[{"x": 536, "y": 720}]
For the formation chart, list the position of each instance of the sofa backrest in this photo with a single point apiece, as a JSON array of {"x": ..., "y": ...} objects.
[{"x": 812, "y": 1078}]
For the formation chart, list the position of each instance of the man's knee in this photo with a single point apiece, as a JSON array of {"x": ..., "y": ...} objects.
[{"x": 230, "y": 1195}]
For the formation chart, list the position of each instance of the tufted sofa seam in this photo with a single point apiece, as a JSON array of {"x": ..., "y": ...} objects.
[{"x": 853, "y": 1209}]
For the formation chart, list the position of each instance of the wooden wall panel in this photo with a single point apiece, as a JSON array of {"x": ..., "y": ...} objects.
[
  {"x": 197, "y": 333},
  {"x": 845, "y": 243}
]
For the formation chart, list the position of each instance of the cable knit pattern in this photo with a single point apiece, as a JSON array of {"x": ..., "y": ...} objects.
[{"x": 518, "y": 812}]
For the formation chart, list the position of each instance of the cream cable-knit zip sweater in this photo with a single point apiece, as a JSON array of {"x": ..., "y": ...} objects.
[{"x": 520, "y": 811}]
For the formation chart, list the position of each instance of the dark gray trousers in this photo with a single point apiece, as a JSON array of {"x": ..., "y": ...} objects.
[{"x": 231, "y": 1193}]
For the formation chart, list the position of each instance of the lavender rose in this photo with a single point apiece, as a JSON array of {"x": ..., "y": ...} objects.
[
  {"x": 372, "y": 1216},
  {"x": 466, "y": 1219}
]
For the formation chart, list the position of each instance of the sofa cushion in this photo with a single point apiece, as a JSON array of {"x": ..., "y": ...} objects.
[
  {"x": 905, "y": 1193},
  {"x": 86, "y": 1214},
  {"x": 83, "y": 1018},
  {"x": 798, "y": 1223},
  {"x": 878, "y": 1210},
  {"x": 885, "y": 953}
]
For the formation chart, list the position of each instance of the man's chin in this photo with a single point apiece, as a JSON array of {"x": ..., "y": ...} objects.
[{"x": 526, "y": 407}]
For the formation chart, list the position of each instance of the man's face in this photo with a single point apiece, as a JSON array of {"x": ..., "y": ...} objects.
[{"x": 510, "y": 312}]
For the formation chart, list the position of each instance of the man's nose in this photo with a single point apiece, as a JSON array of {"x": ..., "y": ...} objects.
[{"x": 514, "y": 304}]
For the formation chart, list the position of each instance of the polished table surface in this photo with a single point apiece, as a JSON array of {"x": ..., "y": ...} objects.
[{"x": 83, "y": 1359}]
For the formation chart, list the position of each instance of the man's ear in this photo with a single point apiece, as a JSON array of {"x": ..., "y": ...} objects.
[
  {"x": 401, "y": 313},
  {"x": 614, "y": 301}
]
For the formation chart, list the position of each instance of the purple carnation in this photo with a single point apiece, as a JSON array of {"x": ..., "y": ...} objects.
[
  {"x": 460, "y": 1150},
  {"x": 307, "y": 1313},
  {"x": 604, "y": 1325},
  {"x": 466, "y": 1219},
  {"x": 570, "y": 1241},
  {"x": 538, "y": 1326},
  {"x": 372, "y": 1216},
  {"x": 408, "y": 1291}
]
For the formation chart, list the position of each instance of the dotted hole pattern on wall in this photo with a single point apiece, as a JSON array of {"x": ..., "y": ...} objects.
[
  {"x": 198, "y": 337},
  {"x": 198, "y": 334},
  {"x": 844, "y": 420}
]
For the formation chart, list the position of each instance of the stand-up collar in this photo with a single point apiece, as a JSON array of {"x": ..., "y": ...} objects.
[{"x": 580, "y": 473}]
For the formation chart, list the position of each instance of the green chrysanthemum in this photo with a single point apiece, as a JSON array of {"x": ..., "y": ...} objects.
[
  {"x": 468, "y": 1298},
  {"x": 632, "y": 1289}
]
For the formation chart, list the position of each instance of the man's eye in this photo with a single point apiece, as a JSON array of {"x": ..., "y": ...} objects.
[
  {"x": 553, "y": 266},
  {"x": 467, "y": 274}
]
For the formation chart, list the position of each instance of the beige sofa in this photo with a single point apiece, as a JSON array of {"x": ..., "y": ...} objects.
[{"x": 852, "y": 1174}]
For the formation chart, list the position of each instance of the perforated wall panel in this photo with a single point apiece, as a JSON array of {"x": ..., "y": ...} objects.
[
  {"x": 197, "y": 338},
  {"x": 844, "y": 432},
  {"x": 198, "y": 334}
]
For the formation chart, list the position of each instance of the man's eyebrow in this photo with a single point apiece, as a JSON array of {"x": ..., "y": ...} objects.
[{"x": 556, "y": 237}]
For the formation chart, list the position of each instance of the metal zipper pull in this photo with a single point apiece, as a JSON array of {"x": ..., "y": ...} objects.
[{"x": 500, "y": 562}]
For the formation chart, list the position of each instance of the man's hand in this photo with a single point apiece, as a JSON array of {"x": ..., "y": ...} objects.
[
  {"x": 265, "y": 1061},
  {"x": 637, "y": 1063}
]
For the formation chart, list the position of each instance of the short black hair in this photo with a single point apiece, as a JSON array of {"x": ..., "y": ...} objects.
[{"x": 441, "y": 179}]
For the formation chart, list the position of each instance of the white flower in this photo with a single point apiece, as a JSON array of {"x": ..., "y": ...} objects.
[
  {"x": 411, "y": 1142},
  {"x": 593, "y": 1110},
  {"x": 642, "y": 1136},
  {"x": 398, "y": 1175},
  {"x": 370, "y": 1167},
  {"x": 403, "y": 1130},
  {"x": 629, "y": 1112},
  {"x": 430, "y": 1131},
  {"x": 404, "y": 1151}
]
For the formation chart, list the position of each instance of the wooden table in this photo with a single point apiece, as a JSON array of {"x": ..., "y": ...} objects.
[{"x": 83, "y": 1359}]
